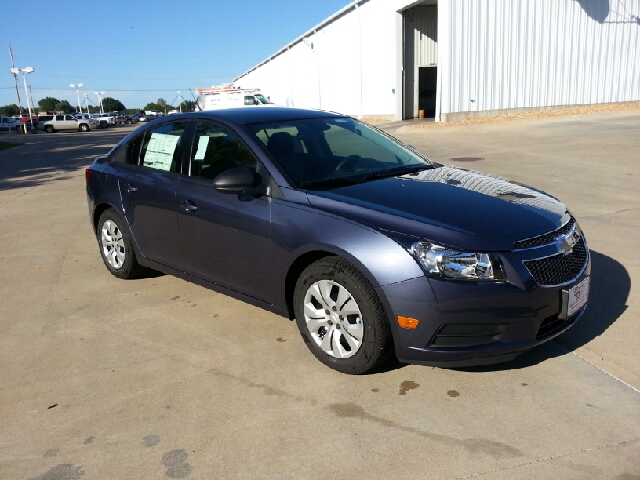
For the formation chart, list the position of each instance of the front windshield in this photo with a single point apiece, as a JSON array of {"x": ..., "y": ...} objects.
[
  {"x": 263, "y": 99},
  {"x": 327, "y": 152}
]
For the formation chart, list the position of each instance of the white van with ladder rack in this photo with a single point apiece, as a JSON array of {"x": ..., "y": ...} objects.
[{"x": 216, "y": 98}]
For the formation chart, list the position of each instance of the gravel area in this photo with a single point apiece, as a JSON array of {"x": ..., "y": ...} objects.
[{"x": 607, "y": 107}]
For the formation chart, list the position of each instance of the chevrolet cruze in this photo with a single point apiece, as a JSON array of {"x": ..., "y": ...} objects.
[{"x": 372, "y": 248}]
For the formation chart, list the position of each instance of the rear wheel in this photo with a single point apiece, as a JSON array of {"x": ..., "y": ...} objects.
[
  {"x": 340, "y": 317},
  {"x": 116, "y": 246},
  {"x": 48, "y": 129}
]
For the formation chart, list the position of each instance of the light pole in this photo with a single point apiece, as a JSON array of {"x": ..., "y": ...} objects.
[
  {"x": 77, "y": 86},
  {"x": 100, "y": 100},
  {"x": 179, "y": 102},
  {"x": 25, "y": 71},
  {"x": 86, "y": 102}
]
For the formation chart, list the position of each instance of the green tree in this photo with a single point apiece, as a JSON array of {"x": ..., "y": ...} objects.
[
  {"x": 188, "y": 106},
  {"x": 9, "y": 110},
  {"x": 64, "y": 106},
  {"x": 112, "y": 105},
  {"x": 48, "y": 104},
  {"x": 155, "y": 107}
]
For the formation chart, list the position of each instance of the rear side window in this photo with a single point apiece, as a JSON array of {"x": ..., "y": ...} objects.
[
  {"x": 132, "y": 150},
  {"x": 161, "y": 147},
  {"x": 45, "y": 118},
  {"x": 59, "y": 118}
]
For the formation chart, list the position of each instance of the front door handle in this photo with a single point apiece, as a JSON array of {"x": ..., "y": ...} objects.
[
  {"x": 189, "y": 206},
  {"x": 130, "y": 188}
]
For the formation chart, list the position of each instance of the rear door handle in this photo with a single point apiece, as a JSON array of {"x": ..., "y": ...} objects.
[
  {"x": 189, "y": 206},
  {"x": 130, "y": 188}
]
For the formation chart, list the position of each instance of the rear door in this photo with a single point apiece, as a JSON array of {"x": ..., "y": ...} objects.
[
  {"x": 69, "y": 123},
  {"x": 148, "y": 183},
  {"x": 225, "y": 238}
]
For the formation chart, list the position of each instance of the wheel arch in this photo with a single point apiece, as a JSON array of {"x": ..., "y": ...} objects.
[
  {"x": 97, "y": 213},
  {"x": 294, "y": 272},
  {"x": 306, "y": 258}
]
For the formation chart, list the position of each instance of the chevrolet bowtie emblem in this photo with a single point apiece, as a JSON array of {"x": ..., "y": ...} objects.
[{"x": 567, "y": 242}]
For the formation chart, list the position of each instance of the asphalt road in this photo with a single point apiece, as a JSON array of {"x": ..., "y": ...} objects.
[{"x": 159, "y": 378}]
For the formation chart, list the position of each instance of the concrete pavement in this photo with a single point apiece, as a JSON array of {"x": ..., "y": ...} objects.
[{"x": 159, "y": 378}]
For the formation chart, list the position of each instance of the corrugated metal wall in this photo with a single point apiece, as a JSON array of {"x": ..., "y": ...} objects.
[
  {"x": 425, "y": 21},
  {"x": 346, "y": 65},
  {"x": 506, "y": 54}
]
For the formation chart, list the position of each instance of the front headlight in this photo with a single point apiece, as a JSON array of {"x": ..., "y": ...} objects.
[{"x": 441, "y": 262}]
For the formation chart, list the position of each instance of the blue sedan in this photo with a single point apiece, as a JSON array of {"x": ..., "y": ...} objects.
[{"x": 371, "y": 247}]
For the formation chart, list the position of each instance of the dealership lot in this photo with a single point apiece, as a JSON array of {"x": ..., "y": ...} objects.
[{"x": 103, "y": 378}]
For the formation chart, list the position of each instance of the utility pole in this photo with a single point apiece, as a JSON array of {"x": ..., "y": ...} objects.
[{"x": 15, "y": 79}]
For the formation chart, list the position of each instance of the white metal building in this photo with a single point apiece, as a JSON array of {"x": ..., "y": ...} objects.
[{"x": 388, "y": 59}]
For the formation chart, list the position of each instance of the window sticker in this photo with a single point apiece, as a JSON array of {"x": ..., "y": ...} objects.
[
  {"x": 203, "y": 142},
  {"x": 160, "y": 151}
]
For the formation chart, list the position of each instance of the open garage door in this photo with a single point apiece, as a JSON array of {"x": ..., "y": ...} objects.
[{"x": 420, "y": 59}]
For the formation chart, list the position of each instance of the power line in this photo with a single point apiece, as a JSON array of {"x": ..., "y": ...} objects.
[{"x": 111, "y": 89}]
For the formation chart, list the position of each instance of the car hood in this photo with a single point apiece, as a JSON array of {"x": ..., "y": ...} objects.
[{"x": 453, "y": 206}]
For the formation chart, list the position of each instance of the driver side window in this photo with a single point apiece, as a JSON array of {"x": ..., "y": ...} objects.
[{"x": 215, "y": 149}]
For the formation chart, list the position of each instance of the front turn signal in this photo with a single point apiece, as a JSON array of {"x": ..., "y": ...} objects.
[{"x": 408, "y": 323}]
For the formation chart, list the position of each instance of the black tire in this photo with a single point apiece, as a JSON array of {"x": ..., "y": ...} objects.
[
  {"x": 48, "y": 129},
  {"x": 129, "y": 268},
  {"x": 376, "y": 344},
  {"x": 84, "y": 127}
]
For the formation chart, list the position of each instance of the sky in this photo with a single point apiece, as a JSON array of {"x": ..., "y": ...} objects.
[{"x": 140, "y": 51}]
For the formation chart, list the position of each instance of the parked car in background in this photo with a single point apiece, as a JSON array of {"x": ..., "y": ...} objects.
[
  {"x": 104, "y": 119},
  {"x": 87, "y": 116},
  {"x": 56, "y": 123},
  {"x": 8, "y": 123},
  {"x": 373, "y": 248},
  {"x": 25, "y": 122}
]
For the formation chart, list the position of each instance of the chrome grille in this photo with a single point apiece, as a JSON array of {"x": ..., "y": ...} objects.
[
  {"x": 547, "y": 238},
  {"x": 560, "y": 268}
]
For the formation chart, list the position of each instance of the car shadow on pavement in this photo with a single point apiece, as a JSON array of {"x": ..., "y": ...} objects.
[{"x": 610, "y": 287}]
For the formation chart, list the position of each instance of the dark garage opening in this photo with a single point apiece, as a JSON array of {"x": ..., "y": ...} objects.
[{"x": 427, "y": 87}]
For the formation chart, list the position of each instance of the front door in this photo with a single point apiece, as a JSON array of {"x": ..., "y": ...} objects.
[
  {"x": 148, "y": 188},
  {"x": 226, "y": 238}
]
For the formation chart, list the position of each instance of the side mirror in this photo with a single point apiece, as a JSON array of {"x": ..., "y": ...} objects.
[{"x": 239, "y": 181}]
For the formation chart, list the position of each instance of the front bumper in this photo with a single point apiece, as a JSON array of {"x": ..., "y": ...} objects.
[{"x": 475, "y": 323}]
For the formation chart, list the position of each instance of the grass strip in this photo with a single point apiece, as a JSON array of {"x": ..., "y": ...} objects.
[{"x": 5, "y": 145}]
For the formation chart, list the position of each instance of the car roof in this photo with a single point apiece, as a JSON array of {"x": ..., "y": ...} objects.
[{"x": 249, "y": 115}]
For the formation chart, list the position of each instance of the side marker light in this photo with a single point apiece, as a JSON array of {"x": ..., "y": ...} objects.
[{"x": 408, "y": 323}]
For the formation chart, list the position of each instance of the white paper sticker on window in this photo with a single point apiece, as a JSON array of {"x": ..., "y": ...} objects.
[
  {"x": 160, "y": 151},
  {"x": 203, "y": 141}
]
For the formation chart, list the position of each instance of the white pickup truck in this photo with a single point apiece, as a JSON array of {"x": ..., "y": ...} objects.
[{"x": 104, "y": 119}]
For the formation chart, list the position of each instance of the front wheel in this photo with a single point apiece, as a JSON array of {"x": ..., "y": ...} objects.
[
  {"x": 84, "y": 127},
  {"x": 116, "y": 246},
  {"x": 340, "y": 317}
]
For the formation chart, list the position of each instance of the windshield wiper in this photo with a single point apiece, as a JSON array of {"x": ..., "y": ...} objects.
[
  {"x": 395, "y": 172},
  {"x": 328, "y": 183}
]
